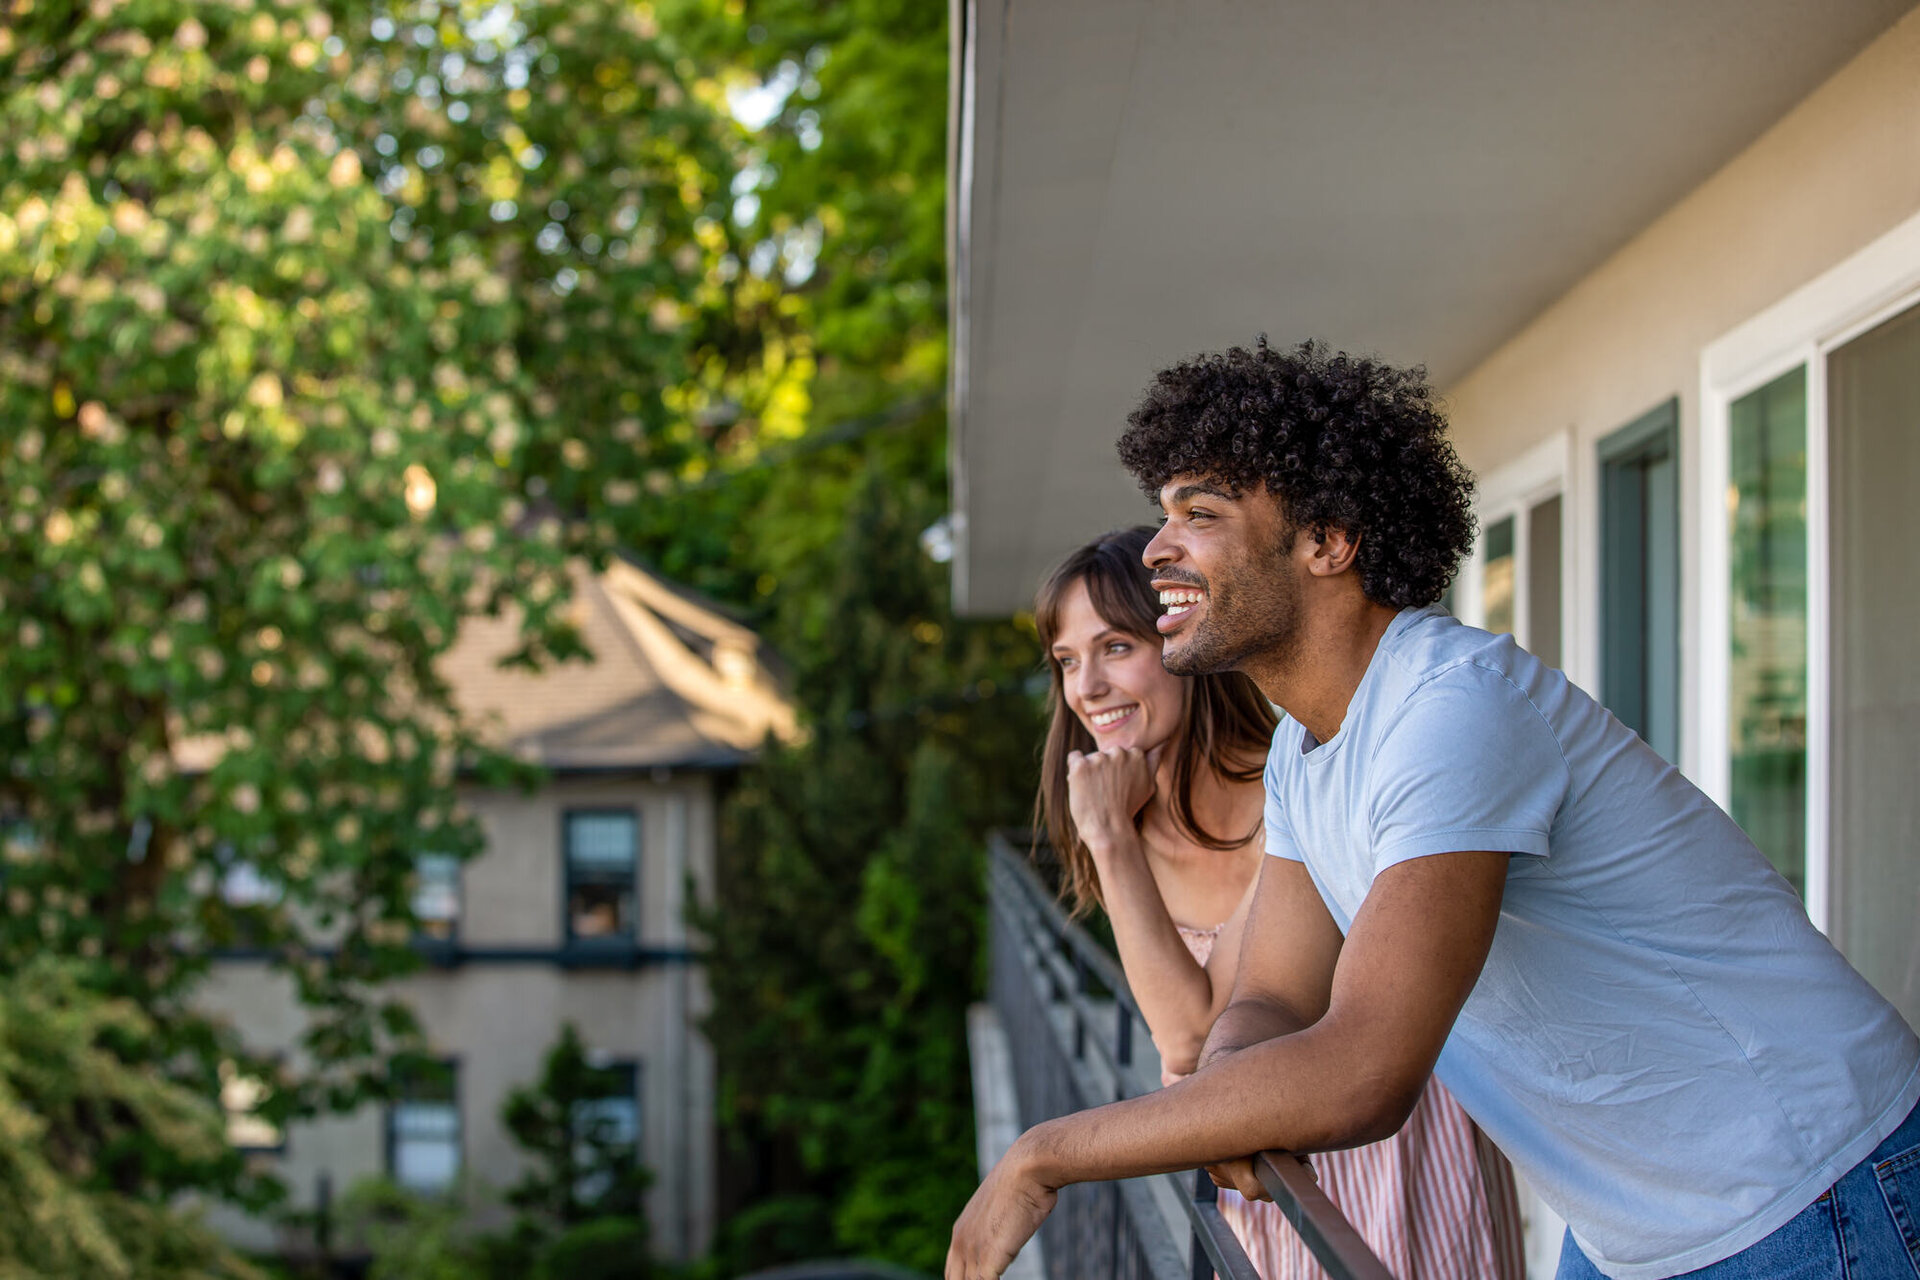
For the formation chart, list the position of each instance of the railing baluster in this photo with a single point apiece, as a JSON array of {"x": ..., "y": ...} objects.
[{"x": 1039, "y": 959}]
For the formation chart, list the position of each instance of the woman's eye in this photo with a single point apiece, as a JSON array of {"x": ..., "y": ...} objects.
[{"x": 1119, "y": 647}]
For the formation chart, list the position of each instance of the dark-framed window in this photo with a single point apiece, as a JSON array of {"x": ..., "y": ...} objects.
[
  {"x": 436, "y": 898},
  {"x": 243, "y": 1096},
  {"x": 1640, "y": 577},
  {"x": 423, "y": 1127},
  {"x": 606, "y": 1131},
  {"x": 601, "y": 851}
]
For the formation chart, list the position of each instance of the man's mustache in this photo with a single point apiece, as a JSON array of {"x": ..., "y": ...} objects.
[{"x": 1171, "y": 576}]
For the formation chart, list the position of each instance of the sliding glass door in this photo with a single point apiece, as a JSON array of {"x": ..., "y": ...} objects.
[
  {"x": 1873, "y": 431},
  {"x": 1767, "y": 621}
]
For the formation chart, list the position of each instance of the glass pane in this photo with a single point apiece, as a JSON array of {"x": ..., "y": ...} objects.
[
  {"x": 613, "y": 1121},
  {"x": 436, "y": 895},
  {"x": 1543, "y": 581},
  {"x": 600, "y": 910},
  {"x": 1873, "y": 388},
  {"x": 1767, "y": 665},
  {"x": 614, "y": 1124},
  {"x": 424, "y": 1128},
  {"x": 600, "y": 842},
  {"x": 1663, "y": 605},
  {"x": 426, "y": 1145},
  {"x": 1640, "y": 578},
  {"x": 1496, "y": 579},
  {"x": 241, "y": 1097},
  {"x": 244, "y": 885}
]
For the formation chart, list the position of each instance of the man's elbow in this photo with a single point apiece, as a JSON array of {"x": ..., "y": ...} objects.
[{"x": 1373, "y": 1110}]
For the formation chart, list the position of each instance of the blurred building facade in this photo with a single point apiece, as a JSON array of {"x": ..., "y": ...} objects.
[
  {"x": 573, "y": 913},
  {"x": 1663, "y": 265}
]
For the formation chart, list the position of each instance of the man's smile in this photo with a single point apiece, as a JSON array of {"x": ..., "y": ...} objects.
[{"x": 1180, "y": 601}]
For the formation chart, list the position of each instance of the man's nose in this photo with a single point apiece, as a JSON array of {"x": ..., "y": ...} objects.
[{"x": 1159, "y": 550}]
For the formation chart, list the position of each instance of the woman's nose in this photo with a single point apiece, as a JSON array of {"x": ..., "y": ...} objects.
[{"x": 1092, "y": 680}]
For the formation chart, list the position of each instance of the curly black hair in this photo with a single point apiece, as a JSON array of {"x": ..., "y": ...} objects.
[{"x": 1343, "y": 442}]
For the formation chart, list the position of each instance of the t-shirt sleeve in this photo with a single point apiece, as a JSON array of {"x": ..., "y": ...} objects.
[
  {"x": 1280, "y": 841},
  {"x": 1468, "y": 763}
]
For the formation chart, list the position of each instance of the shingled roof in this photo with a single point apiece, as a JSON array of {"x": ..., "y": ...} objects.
[{"x": 673, "y": 682}]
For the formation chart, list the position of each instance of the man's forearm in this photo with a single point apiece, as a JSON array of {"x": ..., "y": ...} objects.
[{"x": 1289, "y": 1094}]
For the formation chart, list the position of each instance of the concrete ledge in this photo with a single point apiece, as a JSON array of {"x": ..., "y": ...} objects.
[{"x": 996, "y": 1114}]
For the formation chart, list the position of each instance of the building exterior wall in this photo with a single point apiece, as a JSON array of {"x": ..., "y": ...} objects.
[
  {"x": 498, "y": 1010},
  {"x": 1830, "y": 184},
  {"x": 1838, "y": 171}
]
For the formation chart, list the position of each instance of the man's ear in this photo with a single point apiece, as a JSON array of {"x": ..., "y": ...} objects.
[{"x": 1332, "y": 551}]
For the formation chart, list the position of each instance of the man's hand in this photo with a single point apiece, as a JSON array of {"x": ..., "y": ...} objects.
[
  {"x": 1336, "y": 1042},
  {"x": 1002, "y": 1216},
  {"x": 1231, "y": 1175}
]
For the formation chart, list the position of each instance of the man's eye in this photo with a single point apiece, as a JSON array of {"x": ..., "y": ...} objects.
[{"x": 1199, "y": 514}]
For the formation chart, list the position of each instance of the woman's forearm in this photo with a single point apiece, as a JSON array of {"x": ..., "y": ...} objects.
[{"x": 1175, "y": 994}]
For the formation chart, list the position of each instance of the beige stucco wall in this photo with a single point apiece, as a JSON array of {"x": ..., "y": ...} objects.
[
  {"x": 1837, "y": 172},
  {"x": 498, "y": 1018},
  {"x": 511, "y": 896}
]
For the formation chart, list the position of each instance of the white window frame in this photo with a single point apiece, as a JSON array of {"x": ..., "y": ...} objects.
[
  {"x": 1874, "y": 285},
  {"x": 1514, "y": 489}
]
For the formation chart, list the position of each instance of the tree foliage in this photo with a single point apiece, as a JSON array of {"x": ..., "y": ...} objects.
[
  {"x": 76, "y": 1198},
  {"x": 322, "y": 326},
  {"x": 581, "y": 1164},
  {"x": 845, "y": 938}
]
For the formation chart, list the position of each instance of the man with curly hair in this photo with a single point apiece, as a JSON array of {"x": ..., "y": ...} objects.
[{"x": 1475, "y": 871}]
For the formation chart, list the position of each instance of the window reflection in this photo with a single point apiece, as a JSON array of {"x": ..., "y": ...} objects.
[
  {"x": 1496, "y": 580},
  {"x": 436, "y": 896},
  {"x": 1767, "y": 662},
  {"x": 423, "y": 1134}
]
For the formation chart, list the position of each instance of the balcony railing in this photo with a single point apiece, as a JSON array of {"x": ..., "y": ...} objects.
[{"x": 1077, "y": 1040}]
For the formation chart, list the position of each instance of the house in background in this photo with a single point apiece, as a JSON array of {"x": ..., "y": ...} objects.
[
  {"x": 1663, "y": 263},
  {"x": 574, "y": 912}
]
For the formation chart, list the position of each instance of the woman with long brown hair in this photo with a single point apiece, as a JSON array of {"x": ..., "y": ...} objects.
[{"x": 1150, "y": 793}]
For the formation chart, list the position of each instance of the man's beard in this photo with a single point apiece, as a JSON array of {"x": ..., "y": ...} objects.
[{"x": 1239, "y": 624}]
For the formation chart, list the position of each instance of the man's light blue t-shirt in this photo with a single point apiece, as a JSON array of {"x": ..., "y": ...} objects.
[{"x": 1660, "y": 1041}]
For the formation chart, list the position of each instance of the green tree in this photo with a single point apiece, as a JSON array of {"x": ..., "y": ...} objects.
[
  {"x": 322, "y": 327},
  {"x": 76, "y": 1201},
  {"x": 582, "y": 1163},
  {"x": 845, "y": 938},
  {"x": 412, "y": 1237}
]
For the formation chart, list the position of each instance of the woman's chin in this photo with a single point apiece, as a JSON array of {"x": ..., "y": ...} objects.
[{"x": 1152, "y": 741}]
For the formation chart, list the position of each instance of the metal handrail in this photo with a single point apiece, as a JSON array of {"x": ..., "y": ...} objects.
[{"x": 1081, "y": 977}]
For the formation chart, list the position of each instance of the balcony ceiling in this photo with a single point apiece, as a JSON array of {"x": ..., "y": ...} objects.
[{"x": 1136, "y": 180}]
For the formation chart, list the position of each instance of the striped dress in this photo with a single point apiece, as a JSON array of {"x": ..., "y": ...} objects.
[{"x": 1434, "y": 1202}]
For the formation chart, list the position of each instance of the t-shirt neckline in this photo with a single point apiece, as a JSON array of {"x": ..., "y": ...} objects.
[{"x": 1322, "y": 752}]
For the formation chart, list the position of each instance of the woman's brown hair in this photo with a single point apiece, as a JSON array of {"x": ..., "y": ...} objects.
[{"x": 1227, "y": 726}]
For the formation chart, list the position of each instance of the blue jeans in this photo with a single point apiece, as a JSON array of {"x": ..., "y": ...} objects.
[{"x": 1864, "y": 1227}]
